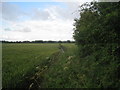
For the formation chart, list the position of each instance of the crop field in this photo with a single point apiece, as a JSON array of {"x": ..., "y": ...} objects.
[{"x": 24, "y": 65}]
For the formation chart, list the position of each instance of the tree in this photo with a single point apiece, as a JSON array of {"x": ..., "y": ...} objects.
[{"x": 97, "y": 35}]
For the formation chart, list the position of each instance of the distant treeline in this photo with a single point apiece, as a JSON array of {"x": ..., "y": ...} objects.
[{"x": 38, "y": 41}]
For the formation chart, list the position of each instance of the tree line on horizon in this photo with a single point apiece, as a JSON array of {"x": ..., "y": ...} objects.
[{"x": 38, "y": 41}]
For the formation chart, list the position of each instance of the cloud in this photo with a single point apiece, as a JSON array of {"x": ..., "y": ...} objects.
[
  {"x": 11, "y": 12},
  {"x": 17, "y": 28},
  {"x": 41, "y": 30},
  {"x": 51, "y": 23},
  {"x": 40, "y": 14},
  {"x": 7, "y": 29},
  {"x": 51, "y": 0},
  {"x": 55, "y": 12},
  {"x": 74, "y": 0},
  {"x": 26, "y": 29},
  {"x": 23, "y": 29}
]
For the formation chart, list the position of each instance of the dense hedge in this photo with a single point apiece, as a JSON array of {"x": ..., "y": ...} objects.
[{"x": 97, "y": 35}]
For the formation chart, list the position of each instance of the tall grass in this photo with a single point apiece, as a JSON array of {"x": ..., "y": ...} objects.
[
  {"x": 21, "y": 59},
  {"x": 62, "y": 73}
]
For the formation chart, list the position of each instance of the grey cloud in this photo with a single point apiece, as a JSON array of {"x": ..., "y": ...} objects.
[
  {"x": 40, "y": 15},
  {"x": 72, "y": 8},
  {"x": 67, "y": 13},
  {"x": 24, "y": 29},
  {"x": 57, "y": 12},
  {"x": 11, "y": 12},
  {"x": 7, "y": 29}
]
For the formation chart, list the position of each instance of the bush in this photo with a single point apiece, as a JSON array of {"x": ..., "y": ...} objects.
[{"x": 97, "y": 36}]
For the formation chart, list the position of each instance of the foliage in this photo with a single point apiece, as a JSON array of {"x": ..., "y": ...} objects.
[
  {"x": 62, "y": 72},
  {"x": 97, "y": 35}
]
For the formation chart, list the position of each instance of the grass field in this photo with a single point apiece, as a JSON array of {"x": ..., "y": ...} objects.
[
  {"x": 21, "y": 62},
  {"x": 35, "y": 66}
]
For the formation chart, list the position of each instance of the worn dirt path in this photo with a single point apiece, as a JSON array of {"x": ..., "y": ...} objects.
[{"x": 38, "y": 77}]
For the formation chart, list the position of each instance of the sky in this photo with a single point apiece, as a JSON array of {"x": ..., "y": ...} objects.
[{"x": 38, "y": 20}]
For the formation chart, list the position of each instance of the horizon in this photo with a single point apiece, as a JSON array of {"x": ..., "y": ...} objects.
[
  {"x": 22, "y": 21},
  {"x": 37, "y": 40}
]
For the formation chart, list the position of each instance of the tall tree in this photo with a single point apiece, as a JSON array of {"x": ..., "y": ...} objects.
[{"x": 97, "y": 35}]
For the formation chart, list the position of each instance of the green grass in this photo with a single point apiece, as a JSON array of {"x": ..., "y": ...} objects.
[
  {"x": 61, "y": 73},
  {"x": 33, "y": 66},
  {"x": 20, "y": 61}
]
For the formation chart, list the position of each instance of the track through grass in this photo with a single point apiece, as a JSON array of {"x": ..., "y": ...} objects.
[
  {"x": 26, "y": 65},
  {"x": 38, "y": 77}
]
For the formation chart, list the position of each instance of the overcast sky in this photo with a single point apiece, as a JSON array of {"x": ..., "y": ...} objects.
[{"x": 38, "y": 20}]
